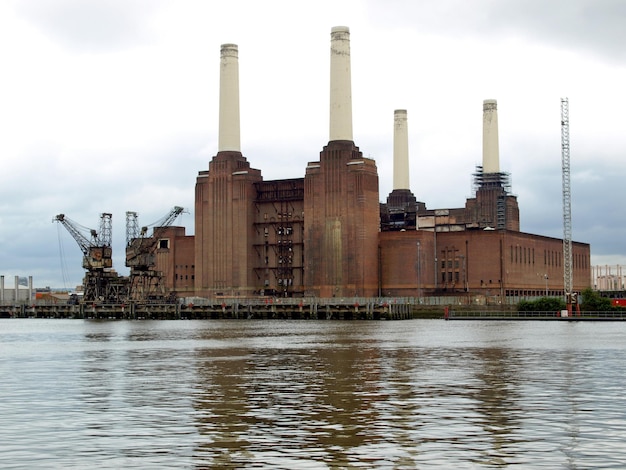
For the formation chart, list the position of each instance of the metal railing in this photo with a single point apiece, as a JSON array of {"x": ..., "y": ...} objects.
[{"x": 514, "y": 315}]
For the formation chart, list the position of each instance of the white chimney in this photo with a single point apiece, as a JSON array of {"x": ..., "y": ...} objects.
[
  {"x": 400, "y": 150},
  {"x": 340, "y": 85},
  {"x": 491, "y": 152},
  {"x": 229, "y": 137}
]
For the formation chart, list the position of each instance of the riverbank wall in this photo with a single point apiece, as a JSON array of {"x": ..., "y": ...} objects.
[{"x": 265, "y": 309}]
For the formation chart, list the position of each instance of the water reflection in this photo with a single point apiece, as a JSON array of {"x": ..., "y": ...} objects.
[
  {"x": 355, "y": 401},
  {"x": 348, "y": 406},
  {"x": 283, "y": 407},
  {"x": 311, "y": 395},
  {"x": 497, "y": 397}
]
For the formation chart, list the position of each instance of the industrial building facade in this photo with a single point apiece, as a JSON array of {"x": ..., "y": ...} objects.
[
  {"x": 328, "y": 234},
  {"x": 488, "y": 264}
]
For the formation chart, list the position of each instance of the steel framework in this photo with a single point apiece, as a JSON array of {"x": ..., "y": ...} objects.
[
  {"x": 567, "y": 201},
  {"x": 101, "y": 283},
  {"x": 146, "y": 282}
]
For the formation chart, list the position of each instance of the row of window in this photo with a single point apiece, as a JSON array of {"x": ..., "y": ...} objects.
[
  {"x": 448, "y": 277},
  {"x": 526, "y": 255},
  {"x": 280, "y": 215},
  {"x": 288, "y": 230},
  {"x": 532, "y": 292},
  {"x": 450, "y": 264}
]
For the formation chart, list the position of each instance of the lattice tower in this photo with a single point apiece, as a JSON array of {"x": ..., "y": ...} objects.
[{"x": 567, "y": 199}]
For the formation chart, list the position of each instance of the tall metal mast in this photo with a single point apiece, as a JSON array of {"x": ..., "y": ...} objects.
[{"x": 567, "y": 202}]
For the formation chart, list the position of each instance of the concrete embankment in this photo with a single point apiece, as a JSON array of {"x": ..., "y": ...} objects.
[{"x": 267, "y": 309}]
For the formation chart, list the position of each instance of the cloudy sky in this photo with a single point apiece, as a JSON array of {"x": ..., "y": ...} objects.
[{"x": 112, "y": 106}]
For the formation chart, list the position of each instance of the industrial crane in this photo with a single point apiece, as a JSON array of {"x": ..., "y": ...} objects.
[
  {"x": 146, "y": 281},
  {"x": 101, "y": 283}
]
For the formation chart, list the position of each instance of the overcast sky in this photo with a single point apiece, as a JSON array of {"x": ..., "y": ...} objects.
[{"x": 112, "y": 106}]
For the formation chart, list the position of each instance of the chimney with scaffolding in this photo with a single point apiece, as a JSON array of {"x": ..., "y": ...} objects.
[{"x": 493, "y": 207}]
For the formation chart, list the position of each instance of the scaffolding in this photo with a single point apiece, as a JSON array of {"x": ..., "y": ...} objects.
[
  {"x": 482, "y": 180},
  {"x": 500, "y": 183}
]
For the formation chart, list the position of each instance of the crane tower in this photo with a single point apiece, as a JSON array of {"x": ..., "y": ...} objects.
[
  {"x": 567, "y": 204},
  {"x": 146, "y": 281},
  {"x": 101, "y": 283}
]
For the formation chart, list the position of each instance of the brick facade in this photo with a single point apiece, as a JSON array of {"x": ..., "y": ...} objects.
[
  {"x": 175, "y": 259},
  {"x": 320, "y": 235},
  {"x": 342, "y": 220},
  {"x": 485, "y": 262},
  {"x": 224, "y": 218}
]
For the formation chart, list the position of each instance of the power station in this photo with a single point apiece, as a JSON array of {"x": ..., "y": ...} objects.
[{"x": 328, "y": 235}]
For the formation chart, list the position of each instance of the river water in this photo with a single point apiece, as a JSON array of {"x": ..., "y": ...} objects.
[{"x": 312, "y": 394}]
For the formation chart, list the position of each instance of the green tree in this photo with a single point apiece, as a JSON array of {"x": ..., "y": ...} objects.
[
  {"x": 592, "y": 301},
  {"x": 543, "y": 304}
]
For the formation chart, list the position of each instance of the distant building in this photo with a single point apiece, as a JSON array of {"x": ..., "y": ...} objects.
[
  {"x": 608, "y": 278},
  {"x": 22, "y": 290}
]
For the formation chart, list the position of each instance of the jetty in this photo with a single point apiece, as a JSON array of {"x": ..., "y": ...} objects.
[
  {"x": 216, "y": 309},
  {"x": 306, "y": 308}
]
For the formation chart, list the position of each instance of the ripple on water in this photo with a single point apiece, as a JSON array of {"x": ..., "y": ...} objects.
[{"x": 310, "y": 395}]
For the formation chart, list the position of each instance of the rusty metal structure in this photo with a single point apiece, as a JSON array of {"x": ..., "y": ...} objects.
[
  {"x": 101, "y": 283},
  {"x": 145, "y": 280}
]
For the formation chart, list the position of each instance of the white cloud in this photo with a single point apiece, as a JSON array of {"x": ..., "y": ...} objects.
[{"x": 91, "y": 26}]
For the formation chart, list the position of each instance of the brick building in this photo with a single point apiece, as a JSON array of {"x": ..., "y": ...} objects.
[
  {"x": 487, "y": 263},
  {"x": 328, "y": 235},
  {"x": 175, "y": 257}
]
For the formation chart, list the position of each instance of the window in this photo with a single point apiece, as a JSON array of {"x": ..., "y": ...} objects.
[{"x": 164, "y": 244}]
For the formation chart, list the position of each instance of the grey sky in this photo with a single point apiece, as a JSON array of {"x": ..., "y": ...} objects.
[{"x": 112, "y": 106}]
